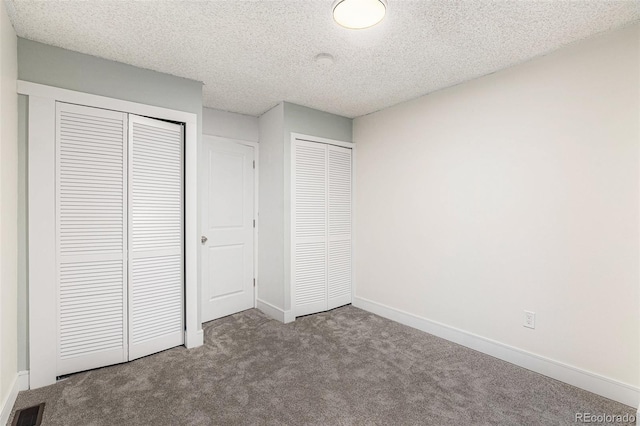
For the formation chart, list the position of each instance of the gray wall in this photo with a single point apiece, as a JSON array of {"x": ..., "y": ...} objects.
[
  {"x": 230, "y": 125},
  {"x": 309, "y": 121},
  {"x": 53, "y": 66},
  {"x": 270, "y": 209}
]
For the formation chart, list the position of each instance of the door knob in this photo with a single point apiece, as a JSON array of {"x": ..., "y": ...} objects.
[{"x": 203, "y": 239}]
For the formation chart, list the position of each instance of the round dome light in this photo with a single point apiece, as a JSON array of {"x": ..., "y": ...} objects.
[{"x": 359, "y": 14}]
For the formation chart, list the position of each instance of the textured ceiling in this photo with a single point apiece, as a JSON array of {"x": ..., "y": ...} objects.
[{"x": 253, "y": 54}]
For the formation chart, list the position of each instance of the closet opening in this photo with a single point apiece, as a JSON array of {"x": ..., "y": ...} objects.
[{"x": 112, "y": 201}]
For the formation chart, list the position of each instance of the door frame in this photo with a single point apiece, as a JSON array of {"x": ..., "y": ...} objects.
[
  {"x": 41, "y": 216},
  {"x": 289, "y": 315},
  {"x": 256, "y": 180}
]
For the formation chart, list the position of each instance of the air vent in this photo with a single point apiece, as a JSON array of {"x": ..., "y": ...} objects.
[{"x": 30, "y": 416}]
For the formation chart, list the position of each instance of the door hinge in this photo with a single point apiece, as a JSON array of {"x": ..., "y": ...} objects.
[
  {"x": 254, "y": 164},
  {"x": 254, "y": 282},
  {"x": 254, "y": 223}
]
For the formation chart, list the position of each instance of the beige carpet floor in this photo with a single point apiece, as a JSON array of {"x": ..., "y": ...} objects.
[{"x": 343, "y": 367}]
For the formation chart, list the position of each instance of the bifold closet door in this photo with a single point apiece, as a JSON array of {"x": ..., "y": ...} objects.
[
  {"x": 156, "y": 250},
  {"x": 309, "y": 227},
  {"x": 321, "y": 226},
  {"x": 91, "y": 238},
  {"x": 119, "y": 237},
  {"x": 339, "y": 226}
]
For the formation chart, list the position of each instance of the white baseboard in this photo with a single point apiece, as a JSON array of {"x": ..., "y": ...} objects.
[
  {"x": 20, "y": 383},
  {"x": 274, "y": 312},
  {"x": 193, "y": 340},
  {"x": 289, "y": 317},
  {"x": 270, "y": 310},
  {"x": 592, "y": 382}
]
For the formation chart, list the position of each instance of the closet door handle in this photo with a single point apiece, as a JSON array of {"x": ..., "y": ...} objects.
[{"x": 203, "y": 239}]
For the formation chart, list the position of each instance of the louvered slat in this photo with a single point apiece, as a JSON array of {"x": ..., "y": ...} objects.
[
  {"x": 309, "y": 198},
  {"x": 80, "y": 176},
  {"x": 339, "y": 224},
  {"x": 156, "y": 280},
  {"x": 339, "y": 176},
  {"x": 311, "y": 270},
  {"x": 310, "y": 191},
  {"x": 321, "y": 228},
  {"x": 157, "y": 176},
  {"x": 156, "y": 300},
  {"x": 339, "y": 280},
  {"x": 91, "y": 237}
]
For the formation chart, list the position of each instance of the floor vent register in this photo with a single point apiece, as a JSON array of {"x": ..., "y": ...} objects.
[{"x": 30, "y": 416}]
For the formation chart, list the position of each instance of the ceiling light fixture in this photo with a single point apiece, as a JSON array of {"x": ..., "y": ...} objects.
[{"x": 359, "y": 14}]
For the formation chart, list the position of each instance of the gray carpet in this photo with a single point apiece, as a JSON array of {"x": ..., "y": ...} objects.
[{"x": 342, "y": 367}]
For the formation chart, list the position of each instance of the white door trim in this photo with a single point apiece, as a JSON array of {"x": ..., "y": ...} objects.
[
  {"x": 41, "y": 160},
  {"x": 318, "y": 139},
  {"x": 289, "y": 315},
  {"x": 256, "y": 191}
]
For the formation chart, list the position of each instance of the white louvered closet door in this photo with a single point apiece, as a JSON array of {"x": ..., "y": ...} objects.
[
  {"x": 91, "y": 217},
  {"x": 339, "y": 226},
  {"x": 309, "y": 227},
  {"x": 156, "y": 253},
  {"x": 321, "y": 226}
]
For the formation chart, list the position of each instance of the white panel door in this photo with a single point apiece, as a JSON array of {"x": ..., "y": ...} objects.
[
  {"x": 309, "y": 227},
  {"x": 228, "y": 228},
  {"x": 91, "y": 215},
  {"x": 156, "y": 237},
  {"x": 339, "y": 226}
]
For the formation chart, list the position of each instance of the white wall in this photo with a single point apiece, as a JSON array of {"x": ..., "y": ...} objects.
[
  {"x": 23, "y": 267},
  {"x": 230, "y": 125},
  {"x": 8, "y": 208},
  {"x": 516, "y": 191}
]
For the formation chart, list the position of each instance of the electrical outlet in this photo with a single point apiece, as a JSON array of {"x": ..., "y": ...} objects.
[{"x": 529, "y": 319}]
